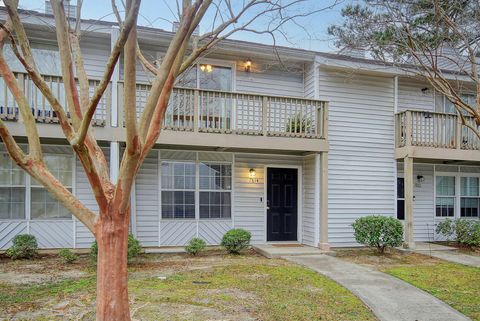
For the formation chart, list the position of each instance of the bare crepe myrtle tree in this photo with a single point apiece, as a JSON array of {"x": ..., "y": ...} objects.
[
  {"x": 421, "y": 37},
  {"x": 110, "y": 224}
]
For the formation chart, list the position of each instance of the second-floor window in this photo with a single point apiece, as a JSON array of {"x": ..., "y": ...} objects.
[{"x": 207, "y": 76}]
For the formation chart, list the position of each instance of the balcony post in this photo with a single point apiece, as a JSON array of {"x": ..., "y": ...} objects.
[
  {"x": 458, "y": 132},
  {"x": 408, "y": 128},
  {"x": 322, "y": 128},
  {"x": 196, "y": 113},
  {"x": 119, "y": 110},
  {"x": 264, "y": 115}
]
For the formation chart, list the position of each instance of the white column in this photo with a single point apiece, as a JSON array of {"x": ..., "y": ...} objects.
[
  {"x": 317, "y": 201},
  {"x": 324, "y": 202},
  {"x": 114, "y": 161},
  {"x": 408, "y": 177}
]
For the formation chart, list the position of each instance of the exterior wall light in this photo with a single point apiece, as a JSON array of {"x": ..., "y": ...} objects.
[
  {"x": 252, "y": 175},
  {"x": 207, "y": 68},
  {"x": 248, "y": 65}
]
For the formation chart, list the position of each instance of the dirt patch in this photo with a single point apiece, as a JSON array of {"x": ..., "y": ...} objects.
[{"x": 380, "y": 261}]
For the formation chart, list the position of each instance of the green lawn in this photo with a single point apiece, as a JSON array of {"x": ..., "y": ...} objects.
[
  {"x": 212, "y": 287},
  {"x": 455, "y": 284}
]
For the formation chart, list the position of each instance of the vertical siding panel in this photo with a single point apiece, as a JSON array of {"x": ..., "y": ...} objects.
[
  {"x": 84, "y": 237},
  {"x": 361, "y": 156},
  {"x": 147, "y": 194}
]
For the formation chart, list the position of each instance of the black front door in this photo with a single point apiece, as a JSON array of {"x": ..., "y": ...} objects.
[{"x": 282, "y": 204}]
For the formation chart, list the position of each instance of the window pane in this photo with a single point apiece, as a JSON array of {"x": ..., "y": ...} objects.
[
  {"x": 469, "y": 207},
  {"x": 215, "y": 77},
  {"x": 400, "y": 187},
  {"x": 188, "y": 78},
  {"x": 178, "y": 204},
  {"x": 12, "y": 203},
  {"x": 469, "y": 186},
  {"x": 445, "y": 186},
  {"x": 445, "y": 207},
  {"x": 44, "y": 206},
  {"x": 215, "y": 204}
]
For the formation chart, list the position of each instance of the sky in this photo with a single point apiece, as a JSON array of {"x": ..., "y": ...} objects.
[{"x": 309, "y": 32}]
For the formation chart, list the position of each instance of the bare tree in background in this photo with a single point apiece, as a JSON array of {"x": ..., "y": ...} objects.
[
  {"x": 437, "y": 40},
  {"x": 110, "y": 225}
]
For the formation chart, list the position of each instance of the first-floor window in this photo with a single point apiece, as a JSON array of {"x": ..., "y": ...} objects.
[
  {"x": 400, "y": 198},
  {"x": 43, "y": 205},
  {"x": 445, "y": 196},
  {"x": 186, "y": 186},
  {"x": 469, "y": 197},
  {"x": 178, "y": 190},
  {"x": 12, "y": 189},
  {"x": 215, "y": 190}
]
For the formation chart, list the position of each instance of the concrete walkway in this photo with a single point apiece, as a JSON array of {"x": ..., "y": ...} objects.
[
  {"x": 389, "y": 298},
  {"x": 454, "y": 257},
  {"x": 447, "y": 253}
]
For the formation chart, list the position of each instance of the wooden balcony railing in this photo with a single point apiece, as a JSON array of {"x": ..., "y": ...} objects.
[
  {"x": 432, "y": 129},
  {"x": 240, "y": 113},
  {"x": 41, "y": 108}
]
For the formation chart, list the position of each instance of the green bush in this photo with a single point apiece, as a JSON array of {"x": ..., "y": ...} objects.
[
  {"x": 195, "y": 246},
  {"x": 378, "y": 231},
  {"x": 24, "y": 247},
  {"x": 134, "y": 249},
  {"x": 464, "y": 231},
  {"x": 67, "y": 256},
  {"x": 236, "y": 240}
]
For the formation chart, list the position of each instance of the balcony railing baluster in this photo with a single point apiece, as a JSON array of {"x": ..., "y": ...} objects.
[
  {"x": 241, "y": 113},
  {"x": 432, "y": 129}
]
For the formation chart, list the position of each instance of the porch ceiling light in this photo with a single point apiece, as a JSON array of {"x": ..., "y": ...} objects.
[
  {"x": 252, "y": 175},
  {"x": 248, "y": 65},
  {"x": 206, "y": 68}
]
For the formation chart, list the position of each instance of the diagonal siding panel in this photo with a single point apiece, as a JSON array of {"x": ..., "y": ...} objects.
[
  {"x": 212, "y": 231},
  {"x": 177, "y": 233},
  {"x": 8, "y": 230},
  {"x": 52, "y": 234}
]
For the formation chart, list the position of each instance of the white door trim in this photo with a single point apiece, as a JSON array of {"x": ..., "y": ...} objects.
[{"x": 299, "y": 198}]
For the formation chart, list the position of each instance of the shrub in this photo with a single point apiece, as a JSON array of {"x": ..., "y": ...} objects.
[
  {"x": 236, "y": 240},
  {"x": 24, "y": 247},
  {"x": 195, "y": 246},
  {"x": 378, "y": 231},
  {"x": 465, "y": 232},
  {"x": 67, "y": 256},
  {"x": 134, "y": 249}
]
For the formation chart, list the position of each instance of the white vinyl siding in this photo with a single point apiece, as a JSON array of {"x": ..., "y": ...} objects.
[
  {"x": 411, "y": 96},
  {"x": 270, "y": 82},
  {"x": 361, "y": 155}
]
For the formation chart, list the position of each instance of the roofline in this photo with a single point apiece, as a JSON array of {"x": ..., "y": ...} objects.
[{"x": 247, "y": 47}]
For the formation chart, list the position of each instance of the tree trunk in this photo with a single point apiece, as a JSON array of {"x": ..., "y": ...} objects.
[{"x": 112, "y": 275}]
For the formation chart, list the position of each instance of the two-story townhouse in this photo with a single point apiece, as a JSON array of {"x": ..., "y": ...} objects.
[{"x": 292, "y": 151}]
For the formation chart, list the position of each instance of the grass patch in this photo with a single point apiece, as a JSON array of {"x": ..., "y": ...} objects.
[
  {"x": 245, "y": 287},
  {"x": 455, "y": 284}
]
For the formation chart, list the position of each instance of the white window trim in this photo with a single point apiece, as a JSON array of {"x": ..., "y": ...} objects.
[
  {"x": 216, "y": 190},
  {"x": 197, "y": 190},
  {"x": 457, "y": 196}
]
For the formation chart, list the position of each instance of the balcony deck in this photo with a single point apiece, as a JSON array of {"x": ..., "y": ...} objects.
[
  {"x": 436, "y": 136},
  {"x": 195, "y": 118}
]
